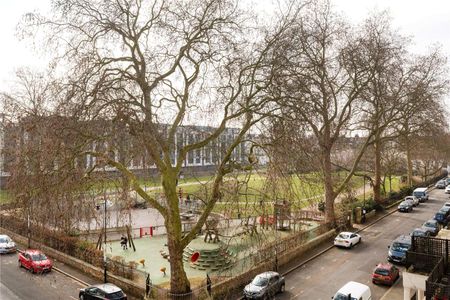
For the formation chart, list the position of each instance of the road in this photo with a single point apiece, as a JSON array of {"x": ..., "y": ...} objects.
[
  {"x": 322, "y": 277},
  {"x": 17, "y": 283}
]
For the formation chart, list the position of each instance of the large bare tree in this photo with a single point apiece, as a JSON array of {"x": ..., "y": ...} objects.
[
  {"x": 323, "y": 71},
  {"x": 152, "y": 67}
]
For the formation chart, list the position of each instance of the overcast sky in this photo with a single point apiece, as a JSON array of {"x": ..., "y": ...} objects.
[{"x": 428, "y": 22}]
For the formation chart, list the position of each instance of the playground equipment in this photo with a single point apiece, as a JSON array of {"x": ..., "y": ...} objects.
[
  {"x": 129, "y": 238},
  {"x": 211, "y": 231}
]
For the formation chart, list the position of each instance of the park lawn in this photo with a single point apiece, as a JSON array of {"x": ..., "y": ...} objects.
[
  {"x": 396, "y": 186},
  {"x": 5, "y": 197}
]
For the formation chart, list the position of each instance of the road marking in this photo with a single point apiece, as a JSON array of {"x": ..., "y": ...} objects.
[{"x": 73, "y": 297}]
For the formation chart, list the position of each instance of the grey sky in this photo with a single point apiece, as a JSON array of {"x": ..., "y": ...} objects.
[{"x": 428, "y": 22}]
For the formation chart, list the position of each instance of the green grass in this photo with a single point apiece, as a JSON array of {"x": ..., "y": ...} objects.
[
  {"x": 396, "y": 185},
  {"x": 4, "y": 197}
]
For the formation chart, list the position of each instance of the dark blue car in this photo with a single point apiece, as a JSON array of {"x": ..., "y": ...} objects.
[
  {"x": 398, "y": 248},
  {"x": 442, "y": 216}
]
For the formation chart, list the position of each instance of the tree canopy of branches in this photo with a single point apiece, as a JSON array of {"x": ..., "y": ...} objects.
[
  {"x": 322, "y": 73},
  {"x": 151, "y": 67}
]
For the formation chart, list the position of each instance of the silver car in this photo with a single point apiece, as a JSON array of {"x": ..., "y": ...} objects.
[
  {"x": 264, "y": 286},
  {"x": 6, "y": 244},
  {"x": 440, "y": 184},
  {"x": 414, "y": 200}
]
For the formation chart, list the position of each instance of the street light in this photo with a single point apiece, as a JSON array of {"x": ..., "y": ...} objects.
[
  {"x": 104, "y": 247},
  {"x": 276, "y": 240}
]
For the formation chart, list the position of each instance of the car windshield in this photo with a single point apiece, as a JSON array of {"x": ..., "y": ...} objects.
[
  {"x": 418, "y": 194},
  {"x": 340, "y": 296},
  {"x": 419, "y": 233},
  {"x": 38, "y": 257},
  {"x": 4, "y": 240},
  {"x": 383, "y": 272},
  {"x": 116, "y": 295},
  {"x": 344, "y": 235},
  {"x": 260, "y": 281},
  {"x": 429, "y": 224},
  {"x": 400, "y": 246}
]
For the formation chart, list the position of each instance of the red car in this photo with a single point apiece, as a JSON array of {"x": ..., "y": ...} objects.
[
  {"x": 385, "y": 273},
  {"x": 35, "y": 261}
]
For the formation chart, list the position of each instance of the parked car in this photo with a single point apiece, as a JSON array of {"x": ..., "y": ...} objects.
[
  {"x": 447, "y": 181},
  {"x": 432, "y": 226},
  {"x": 35, "y": 261},
  {"x": 413, "y": 199},
  {"x": 405, "y": 206},
  {"x": 264, "y": 286},
  {"x": 440, "y": 184},
  {"x": 101, "y": 204},
  {"x": 420, "y": 232},
  {"x": 355, "y": 290},
  {"x": 139, "y": 203},
  {"x": 385, "y": 273},
  {"x": 447, "y": 189},
  {"x": 398, "y": 248},
  {"x": 6, "y": 244},
  {"x": 102, "y": 291},
  {"x": 347, "y": 239},
  {"x": 421, "y": 193},
  {"x": 442, "y": 216}
]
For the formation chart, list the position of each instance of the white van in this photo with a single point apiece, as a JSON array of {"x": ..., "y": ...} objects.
[
  {"x": 354, "y": 291},
  {"x": 421, "y": 193}
]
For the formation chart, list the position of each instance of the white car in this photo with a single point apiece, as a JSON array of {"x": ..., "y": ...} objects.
[
  {"x": 414, "y": 200},
  {"x": 447, "y": 189},
  {"x": 353, "y": 290},
  {"x": 101, "y": 204},
  {"x": 347, "y": 239},
  {"x": 6, "y": 244}
]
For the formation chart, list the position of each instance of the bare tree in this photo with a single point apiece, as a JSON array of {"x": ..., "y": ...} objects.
[
  {"x": 423, "y": 113},
  {"x": 387, "y": 90},
  {"x": 153, "y": 67},
  {"x": 323, "y": 69}
]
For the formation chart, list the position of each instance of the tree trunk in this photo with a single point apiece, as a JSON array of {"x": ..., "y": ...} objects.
[
  {"x": 409, "y": 163},
  {"x": 328, "y": 184},
  {"x": 377, "y": 175},
  {"x": 179, "y": 283}
]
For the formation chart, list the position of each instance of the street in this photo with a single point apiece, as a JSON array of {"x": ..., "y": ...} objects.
[
  {"x": 322, "y": 277},
  {"x": 18, "y": 283}
]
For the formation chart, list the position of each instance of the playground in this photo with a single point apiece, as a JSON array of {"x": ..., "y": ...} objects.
[{"x": 225, "y": 247}]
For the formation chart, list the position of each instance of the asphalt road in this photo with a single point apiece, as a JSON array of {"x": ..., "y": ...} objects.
[
  {"x": 322, "y": 277},
  {"x": 18, "y": 283}
]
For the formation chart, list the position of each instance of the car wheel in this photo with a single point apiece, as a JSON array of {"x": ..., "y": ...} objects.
[
  {"x": 351, "y": 245},
  {"x": 82, "y": 297},
  {"x": 282, "y": 288},
  {"x": 359, "y": 241},
  {"x": 19, "y": 263}
]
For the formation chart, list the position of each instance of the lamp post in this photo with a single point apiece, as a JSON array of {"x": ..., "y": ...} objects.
[
  {"x": 276, "y": 240},
  {"x": 104, "y": 248},
  {"x": 104, "y": 241}
]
